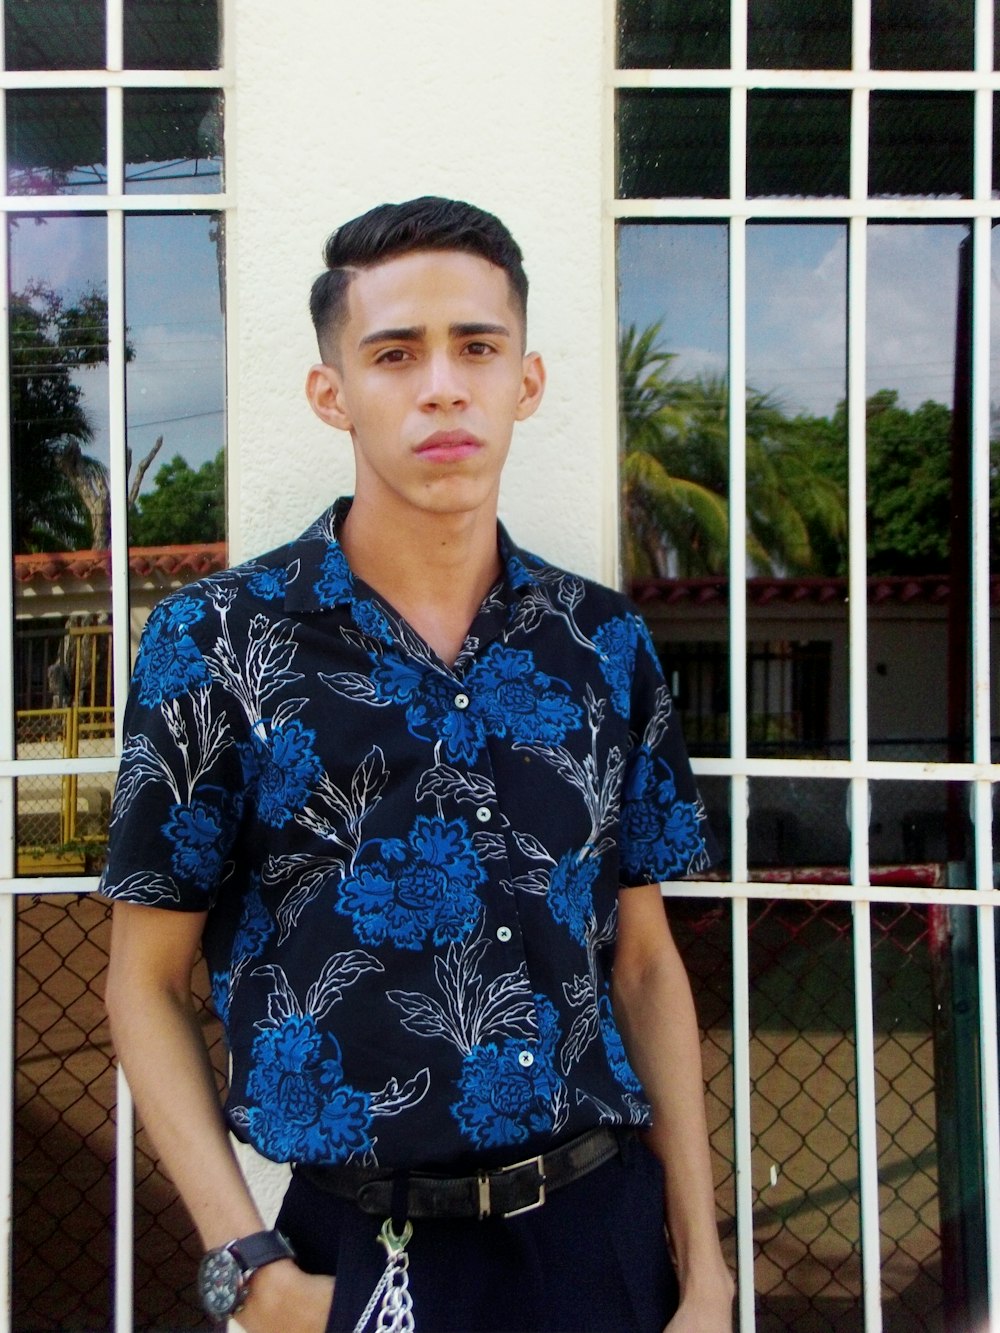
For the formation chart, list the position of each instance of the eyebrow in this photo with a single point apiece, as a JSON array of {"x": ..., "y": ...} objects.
[{"x": 415, "y": 332}]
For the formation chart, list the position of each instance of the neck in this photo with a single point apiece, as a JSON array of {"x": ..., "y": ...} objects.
[{"x": 434, "y": 569}]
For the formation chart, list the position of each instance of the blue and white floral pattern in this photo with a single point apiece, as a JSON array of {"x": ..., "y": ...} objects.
[
  {"x": 425, "y": 886},
  {"x": 511, "y": 1092},
  {"x": 300, "y": 1108},
  {"x": 411, "y": 869}
]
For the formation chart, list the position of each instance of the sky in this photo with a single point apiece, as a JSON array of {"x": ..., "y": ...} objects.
[
  {"x": 175, "y": 383},
  {"x": 796, "y": 305}
]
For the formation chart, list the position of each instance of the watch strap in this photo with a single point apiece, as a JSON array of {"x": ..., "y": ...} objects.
[{"x": 260, "y": 1248}]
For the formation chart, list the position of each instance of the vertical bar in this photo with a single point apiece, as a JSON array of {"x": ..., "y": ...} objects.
[
  {"x": 741, "y": 1110},
  {"x": 121, "y": 656},
  {"x": 867, "y": 1133},
  {"x": 120, "y": 620},
  {"x": 611, "y": 532},
  {"x": 124, "y": 1196},
  {"x": 8, "y": 851}
]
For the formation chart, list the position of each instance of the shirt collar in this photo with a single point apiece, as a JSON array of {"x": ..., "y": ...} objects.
[{"x": 318, "y": 577}]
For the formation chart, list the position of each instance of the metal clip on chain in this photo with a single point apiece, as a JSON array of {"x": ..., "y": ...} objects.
[{"x": 393, "y": 1287}]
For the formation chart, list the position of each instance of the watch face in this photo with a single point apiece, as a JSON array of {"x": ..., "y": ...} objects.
[{"x": 220, "y": 1283}]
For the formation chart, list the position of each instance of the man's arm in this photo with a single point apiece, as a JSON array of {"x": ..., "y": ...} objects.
[
  {"x": 653, "y": 1008},
  {"x": 159, "y": 1041}
]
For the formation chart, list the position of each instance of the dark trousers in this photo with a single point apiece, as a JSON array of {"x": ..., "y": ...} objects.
[{"x": 593, "y": 1258}]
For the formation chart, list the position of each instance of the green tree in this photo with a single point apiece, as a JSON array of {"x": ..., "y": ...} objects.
[
  {"x": 675, "y": 474},
  {"x": 185, "y": 506},
  {"x": 909, "y": 485},
  {"x": 50, "y": 341}
]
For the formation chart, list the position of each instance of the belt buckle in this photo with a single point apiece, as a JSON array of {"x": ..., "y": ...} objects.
[{"x": 485, "y": 1208}]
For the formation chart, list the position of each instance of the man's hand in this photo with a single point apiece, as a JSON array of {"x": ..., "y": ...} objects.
[
  {"x": 283, "y": 1299},
  {"x": 709, "y": 1307}
]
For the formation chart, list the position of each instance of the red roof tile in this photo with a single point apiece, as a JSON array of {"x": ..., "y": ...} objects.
[
  {"x": 193, "y": 561},
  {"x": 930, "y": 589}
]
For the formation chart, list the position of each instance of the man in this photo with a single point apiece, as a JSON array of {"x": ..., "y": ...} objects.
[{"x": 396, "y": 773}]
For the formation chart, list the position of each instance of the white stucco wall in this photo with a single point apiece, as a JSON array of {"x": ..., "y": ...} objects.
[{"x": 338, "y": 106}]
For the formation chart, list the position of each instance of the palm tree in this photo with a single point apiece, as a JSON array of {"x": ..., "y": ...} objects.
[
  {"x": 665, "y": 512},
  {"x": 675, "y": 474}
]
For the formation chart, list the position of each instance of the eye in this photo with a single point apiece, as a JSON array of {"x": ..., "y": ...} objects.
[
  {"x": 392, "y": 356},
  {"x": 479, "y": 349}
]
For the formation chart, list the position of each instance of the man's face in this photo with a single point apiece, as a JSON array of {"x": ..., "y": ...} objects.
[{"x": 430, "y": 379}]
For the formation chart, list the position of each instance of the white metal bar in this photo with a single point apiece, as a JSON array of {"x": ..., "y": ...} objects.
[
  {"x": 31, "y": 768},
  {"x": 798, "y": 210},
  {"x": 18, "y": 80},
  {"x": 737, "y": 493},
  {"x": 124, "y": 1206},
  {"x": 742, "y": 1139},
  {"x": 798, "y": 80},
  {"x": 37, "y": 204},
  {"x": 867, "y": 1133},
  {"x": 121, "y": 657},
  {"x": 114, "y": 40},
  {"x": 820, "y": 892},
  {"x": 610, "y": 561},
  {"x": 8, "y": 958},
  {"x": 804, "y": 769}
]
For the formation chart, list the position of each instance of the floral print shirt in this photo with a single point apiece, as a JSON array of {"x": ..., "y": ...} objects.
[{"x": 410, "y": 870}]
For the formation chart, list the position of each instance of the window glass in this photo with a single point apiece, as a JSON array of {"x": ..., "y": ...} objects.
[
  {"x": 920, "y": 144},
  {"x": 673, "y": 305},
  {"x": 163, "y": 34},
  {"x": 61, "y": 517},
  {"x": 173, "y": 141},
  {"x": 796, "y": 449},
  {"x": 56, "y": 142},
  {"x": 922, "y": 34},
  {"x": 673, "y": 144},
  {"x": 59, "y": 34},
  {"x": 798, "y": 143},
  {"x": 671, "y": 34},
  {"x": 917, "y": 429},
  {"x": 797, "y": 830},
  {"x": 799, "y": 34},
  {"x": 994, "y": 523},
  {"x": 176, "y": 382}
]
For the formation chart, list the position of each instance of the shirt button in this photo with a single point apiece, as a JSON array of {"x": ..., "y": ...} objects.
[
  {"x": 461, "y": 701},
  {"x": 484, "y": 814},
  {"x": 504, "y": 933},
  {"x": 525, "y": 1059}
]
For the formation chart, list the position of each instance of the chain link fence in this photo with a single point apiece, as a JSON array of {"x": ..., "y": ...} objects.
[{"x": 64, "y": 1141}]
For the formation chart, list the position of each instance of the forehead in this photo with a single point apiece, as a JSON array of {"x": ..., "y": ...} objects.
[{"x": 429, "y": 287}]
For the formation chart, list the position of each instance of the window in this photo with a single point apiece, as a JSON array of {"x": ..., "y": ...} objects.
[
  {"x": 805, "y": 201},
  {"x": 113, "y": 439}
]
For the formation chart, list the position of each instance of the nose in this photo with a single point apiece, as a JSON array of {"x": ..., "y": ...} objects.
[{"x": 444, "y": 384}]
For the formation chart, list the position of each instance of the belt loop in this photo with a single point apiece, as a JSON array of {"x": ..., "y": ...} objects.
[
  {"x": 400, "y": 1201},
  {"x": 627, "y": 1140}
]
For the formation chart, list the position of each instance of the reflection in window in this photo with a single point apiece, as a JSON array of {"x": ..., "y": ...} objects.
[
  {"x": 673, "y": 34},
  {"x": 920, "y": 144},
  {"x": 798, "y": 143},
  {"x": 176, "y": 420},
  {"x": 673, "y": 398},
  {"x": 173, "y": 142},
  {"x": 799, "y": 34},
  {"x": 58, "y": 383},
  {"x": 673, "y": 144},
  {"x": 56, "y": 143},
  {"x": 60, "y": 34},
  {"x": 162, "y": 34}
]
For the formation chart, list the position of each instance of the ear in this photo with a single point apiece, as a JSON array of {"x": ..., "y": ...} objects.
[
  {"x": 325, "y": 392},
  {"x": 532, "y": 386}
]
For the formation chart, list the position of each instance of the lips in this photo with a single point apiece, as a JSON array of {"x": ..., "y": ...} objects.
[{"x": 448, "y": 446}]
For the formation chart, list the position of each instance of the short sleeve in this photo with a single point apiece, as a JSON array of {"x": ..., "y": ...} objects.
[
  {"x": 179, "y": 798},
  {"x": 664, "y": 830}
]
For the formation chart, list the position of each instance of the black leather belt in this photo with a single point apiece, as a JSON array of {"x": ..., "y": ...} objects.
[{"x": 502, "y": 1192}]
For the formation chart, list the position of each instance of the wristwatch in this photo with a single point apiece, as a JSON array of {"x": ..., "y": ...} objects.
[{"x": 224, "y": 1273}]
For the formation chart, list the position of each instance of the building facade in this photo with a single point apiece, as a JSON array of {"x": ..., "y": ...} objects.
[{"x": 759, "y": 236}]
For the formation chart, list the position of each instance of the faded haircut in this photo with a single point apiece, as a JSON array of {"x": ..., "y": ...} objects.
[{"x": 391, "y": 230}]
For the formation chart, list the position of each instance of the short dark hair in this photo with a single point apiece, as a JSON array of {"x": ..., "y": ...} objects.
[{"x": 391, "y": 230}]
